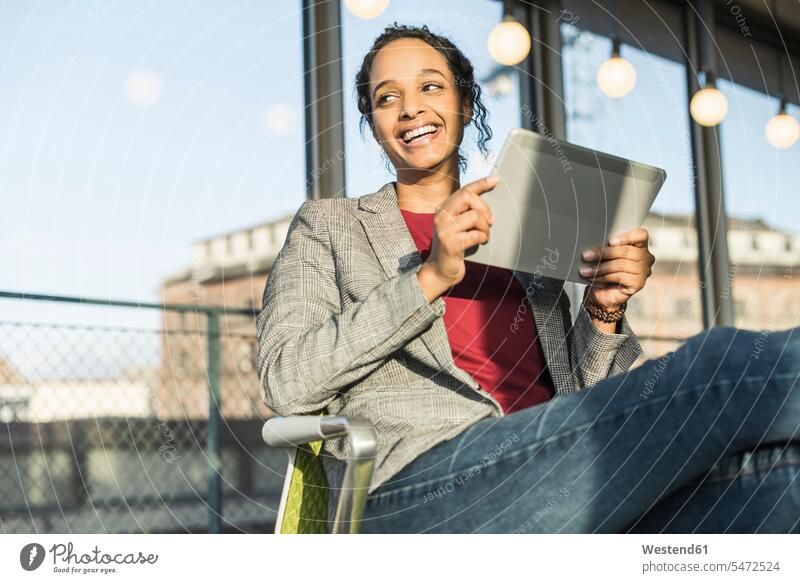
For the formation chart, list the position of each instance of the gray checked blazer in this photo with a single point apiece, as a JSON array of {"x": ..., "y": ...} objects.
[{"x": 345, "y": 328}]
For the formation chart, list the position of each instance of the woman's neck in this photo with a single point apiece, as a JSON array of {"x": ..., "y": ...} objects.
[{"x": 423, "y": 194}]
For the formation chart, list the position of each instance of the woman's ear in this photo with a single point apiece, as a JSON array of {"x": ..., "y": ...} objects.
[{"x": 467, "y": 113}]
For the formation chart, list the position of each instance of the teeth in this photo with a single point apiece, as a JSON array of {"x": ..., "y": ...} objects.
[{"x": 411, "y": 134}]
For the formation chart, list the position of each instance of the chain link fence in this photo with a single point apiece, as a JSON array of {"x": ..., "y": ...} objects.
[
  {"x": 123, "y": 429},
  {"x": 138, "y": 429}
]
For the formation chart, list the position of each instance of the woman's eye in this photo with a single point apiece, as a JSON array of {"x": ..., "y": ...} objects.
[{"x": 382, "y": 99}]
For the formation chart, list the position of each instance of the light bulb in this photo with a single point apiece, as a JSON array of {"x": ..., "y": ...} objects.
[
  {"x": 509, "y": 42},
  {"x": 708, "y": 106},
  {"x": 366, "y": 9},
  {"x": 782, "y": 130},
  {"x": 616, "y": 77}
]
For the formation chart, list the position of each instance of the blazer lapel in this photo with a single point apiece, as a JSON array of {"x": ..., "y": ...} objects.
[
  {"x": 543, "y": 295},
  {"x": 387, "y": 231},
  {"x": 391, "y": 241}
]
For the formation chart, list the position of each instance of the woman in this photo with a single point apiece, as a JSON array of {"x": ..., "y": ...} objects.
[{"x": 494, "y": 412}]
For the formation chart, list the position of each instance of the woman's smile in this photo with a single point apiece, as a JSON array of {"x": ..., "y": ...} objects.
[{"x": 424, "y": 135}]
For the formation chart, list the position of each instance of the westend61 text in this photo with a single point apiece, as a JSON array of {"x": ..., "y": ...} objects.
[{"x": 673, "y": 550}]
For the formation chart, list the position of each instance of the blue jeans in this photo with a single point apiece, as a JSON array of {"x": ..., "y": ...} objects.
[{"x": 704, "y": 439}]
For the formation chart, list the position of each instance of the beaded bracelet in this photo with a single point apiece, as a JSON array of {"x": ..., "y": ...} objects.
[{"x": 604, "y": 315}]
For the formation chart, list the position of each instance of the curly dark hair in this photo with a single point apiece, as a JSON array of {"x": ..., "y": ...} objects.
[{"x": 461, "y": 67}]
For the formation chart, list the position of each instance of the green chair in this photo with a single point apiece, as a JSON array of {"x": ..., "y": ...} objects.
[{"x": 303, "y": 507}]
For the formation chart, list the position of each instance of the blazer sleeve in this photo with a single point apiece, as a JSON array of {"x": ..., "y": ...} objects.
[
  {"x": 596, "y": 355},
  {"x": 310, "y": 349}
]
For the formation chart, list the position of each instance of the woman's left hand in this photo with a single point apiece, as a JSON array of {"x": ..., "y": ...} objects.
[{"x": 617, "y": 271}]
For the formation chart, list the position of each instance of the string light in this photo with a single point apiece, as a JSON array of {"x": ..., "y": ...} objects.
[
  {"x": 782, "y": 130},
  {"x": 509, "y": 42},
  {"x": 708, "y": 106},
  {"x": 366, "y": 9},
  {"x": 616, "y": 76}
]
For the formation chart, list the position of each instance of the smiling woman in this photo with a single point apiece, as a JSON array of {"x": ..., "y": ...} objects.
[
  {"x": 420, "y": 71},
  {"x": 477, "y": 374}
]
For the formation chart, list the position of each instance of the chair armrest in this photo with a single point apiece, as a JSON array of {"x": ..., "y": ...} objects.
[
  {"x": 292, "y": 431},
  {"x": 298, "y": 430},
  {"x": 301, "y": 429}
]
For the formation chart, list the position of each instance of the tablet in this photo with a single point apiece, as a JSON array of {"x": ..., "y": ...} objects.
[{"x": 556, "y": 200}]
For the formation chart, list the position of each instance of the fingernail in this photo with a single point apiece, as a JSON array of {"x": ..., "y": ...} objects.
[
  {"x": 589, "y": 255},
  {"x": 586, "y": 271},
  {"x": 615, "y": 241},
  {"x": 494, "y": 179}
]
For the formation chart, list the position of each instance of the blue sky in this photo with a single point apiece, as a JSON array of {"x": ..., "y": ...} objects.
[{"x": 103, "y": 197}]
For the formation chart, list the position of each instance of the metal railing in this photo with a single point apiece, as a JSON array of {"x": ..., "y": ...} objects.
[{"x": 106, "y": 427}]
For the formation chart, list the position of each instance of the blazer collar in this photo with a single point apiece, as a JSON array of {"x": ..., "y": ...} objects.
[
  {"x": 387, "y": 231},
  {"x": 384, "y": 199},
  {"x": 394, "y": 246}
]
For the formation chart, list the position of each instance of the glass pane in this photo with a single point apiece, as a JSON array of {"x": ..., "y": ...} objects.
[
  {"x": 650, "y": 125},
  {"x": 469, "y": 30},
  {"x": 761, "y": 198},
  {"x": 133, "y": 131}
]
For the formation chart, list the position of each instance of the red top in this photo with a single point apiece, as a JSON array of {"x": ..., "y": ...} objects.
[{"x": 491, "y": 329}]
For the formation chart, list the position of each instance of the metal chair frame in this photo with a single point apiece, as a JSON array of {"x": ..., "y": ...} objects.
[{"x": 289, "y": 433}]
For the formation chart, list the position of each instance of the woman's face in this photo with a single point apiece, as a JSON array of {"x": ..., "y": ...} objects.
[{"x": 411, "y": 87}]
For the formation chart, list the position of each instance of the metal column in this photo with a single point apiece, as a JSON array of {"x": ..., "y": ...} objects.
[
  {"x": 712, "y": 226},
  {"x": 214, "y": 425},
  {"x": 542, "y": 82},
  {"x": 324, "y": 111}
]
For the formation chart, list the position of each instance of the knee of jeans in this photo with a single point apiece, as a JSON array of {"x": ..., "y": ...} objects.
[
  {"x": 792, "y": 343},
  {"x": 762, "y": 349},
  {"x": 706, "y": 351},
  {"x": 723, "y": 336},
  {"x": 714, "y": 343},
  {"x": 774, "y": 348}
]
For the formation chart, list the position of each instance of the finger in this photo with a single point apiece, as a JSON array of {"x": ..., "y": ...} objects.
[
  {"x": 599, "y": 285},
  {"x": 615, "y": 266},
  {"x": 622, "y": 252},
  {"x": 482, "y": 206},
  {"x": 470, "y": 194},
  {"x": 472, "y": 202},
  {"x": 471, "y": 238},
  {"x": 465, "y": 201},
  {"x": 471, "y": 219},
  {"x": 458, "y": 204},
  {"x": 626, "y": 280},
  {"x": 473, "y": 190},
  {"x": 482, "y": 185},
  {"x": 637, "y": 237}
]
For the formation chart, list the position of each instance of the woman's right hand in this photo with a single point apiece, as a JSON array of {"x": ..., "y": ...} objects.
[{"x": 460, "y": 223}]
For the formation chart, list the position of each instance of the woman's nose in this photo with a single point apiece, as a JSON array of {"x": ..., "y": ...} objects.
[{"x": 411, "y": 108}]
